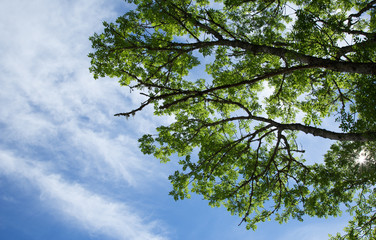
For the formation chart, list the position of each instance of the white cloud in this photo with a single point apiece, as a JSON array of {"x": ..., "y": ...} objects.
[
  {"x": 50, "y": 98},
  {"x": 115, "y": 157},
  {"x": 95, "y": 213},
  {"x": 51, "y": 102}
]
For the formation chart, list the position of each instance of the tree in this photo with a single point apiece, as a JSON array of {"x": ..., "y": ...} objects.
[{"x": 237, "y": 145}]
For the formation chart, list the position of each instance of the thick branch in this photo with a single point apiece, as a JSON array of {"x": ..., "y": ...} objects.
[
  {"x": 338, "y": 66},
  {"x": 319, "y": 132},
  {"x": 314, "y": 62},
  {"x": 359, "y": 137},
  {"x": 315, "y": 131}
]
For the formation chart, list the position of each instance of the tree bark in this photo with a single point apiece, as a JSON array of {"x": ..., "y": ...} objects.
[
  {"x": 357, "y": 137},
  {"x": 338, "y": 66},
  {"x": 312, "y": 62}
]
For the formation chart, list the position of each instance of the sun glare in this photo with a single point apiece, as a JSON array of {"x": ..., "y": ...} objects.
[{"x": 362, "y": 157}]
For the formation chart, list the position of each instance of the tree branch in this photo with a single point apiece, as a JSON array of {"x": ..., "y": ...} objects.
[
  {"x": 369, "y": 6},
  {"x": 314, "y": 62},
  {"x": 338, "y": 66},
  {"x": 315, "y": 131}
]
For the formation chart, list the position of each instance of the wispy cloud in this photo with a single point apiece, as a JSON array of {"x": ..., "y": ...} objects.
[
  {"x": 57, "y": 117},
  {"x": 50, "y": 97},
  {"x": 93, "y": 212}
]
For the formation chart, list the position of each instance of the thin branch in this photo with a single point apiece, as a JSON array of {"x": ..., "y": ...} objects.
[
  {"x": 369, "y": 6},
  {"x": 227, "y": 86}
]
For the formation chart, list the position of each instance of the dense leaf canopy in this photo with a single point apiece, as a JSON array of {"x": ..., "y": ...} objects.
[{"x": 274, "y": 69}]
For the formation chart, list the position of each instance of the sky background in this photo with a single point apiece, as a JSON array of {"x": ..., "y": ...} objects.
[{"x": 71, "y": 170}]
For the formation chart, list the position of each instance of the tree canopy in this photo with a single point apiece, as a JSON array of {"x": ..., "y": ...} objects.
[{"x": 274, "y": 69}]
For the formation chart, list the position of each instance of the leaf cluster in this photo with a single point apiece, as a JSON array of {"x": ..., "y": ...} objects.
[{"x": 277, "y": 68}]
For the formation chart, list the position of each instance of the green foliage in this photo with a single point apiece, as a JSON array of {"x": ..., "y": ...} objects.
[{"x": 276, "y": 68}]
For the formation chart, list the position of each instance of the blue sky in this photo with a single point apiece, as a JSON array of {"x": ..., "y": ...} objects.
[{"x": 69, "y": 169}]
